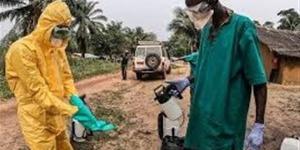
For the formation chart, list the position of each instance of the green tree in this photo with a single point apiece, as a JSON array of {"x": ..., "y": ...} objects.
[
  {"x": 133, "y": 36},
  {"x": 178, "y": 45},
  {"x": 24, "y": 12},
  {"x": 87, "y": 23},
  {"x": 115, "y": 38},
  {"x": 181, "y": 24},
  {"x": 290, "y": 19},
  {"x": 111, "y": 41},
  {"x": 268, "y": 24}
]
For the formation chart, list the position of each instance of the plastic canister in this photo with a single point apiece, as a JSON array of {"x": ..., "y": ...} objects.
[
  {"x": 172, "y": 109},
  {"x": 290, "y": 144}
]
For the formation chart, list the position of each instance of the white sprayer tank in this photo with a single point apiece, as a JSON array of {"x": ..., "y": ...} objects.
[{"x": 172, "y": 109}]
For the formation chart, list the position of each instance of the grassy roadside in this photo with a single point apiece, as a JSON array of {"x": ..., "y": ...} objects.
[
  {"x": 81, "y": 68},
  {"x": 85, "y": 68},
  {"x": 105, "y": 106},
  {"x": 4, "y": 90}
]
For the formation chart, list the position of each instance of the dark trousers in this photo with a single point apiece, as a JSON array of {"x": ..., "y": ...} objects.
[{"x": 124, "y": 72}]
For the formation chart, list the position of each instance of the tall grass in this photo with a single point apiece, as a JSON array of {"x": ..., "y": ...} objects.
[{"x": 85, "y": 68}]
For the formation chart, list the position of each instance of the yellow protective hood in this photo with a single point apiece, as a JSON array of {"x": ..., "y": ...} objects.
[{"x": 56, "y": 13}]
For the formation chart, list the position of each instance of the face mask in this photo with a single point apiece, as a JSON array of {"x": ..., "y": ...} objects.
[
  {"x": 60, "y": 34},
  {"x": 57, "y": 43},
  {"x": 200, "y": 14}
]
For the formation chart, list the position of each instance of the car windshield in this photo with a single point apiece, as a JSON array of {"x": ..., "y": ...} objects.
[{"x": 143, "y": 51}]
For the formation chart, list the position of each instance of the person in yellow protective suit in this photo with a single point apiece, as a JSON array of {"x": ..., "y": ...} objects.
[{"x": 38, "y": 73}]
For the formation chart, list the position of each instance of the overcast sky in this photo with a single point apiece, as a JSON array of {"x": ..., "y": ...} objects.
[{"x": 154, "y": 15}]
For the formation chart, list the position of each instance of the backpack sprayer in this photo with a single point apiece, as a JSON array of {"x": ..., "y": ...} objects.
[{"x": 171, "y": 117}]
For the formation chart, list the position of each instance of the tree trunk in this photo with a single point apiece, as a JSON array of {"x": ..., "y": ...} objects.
[{"x": 83, "y": 47}]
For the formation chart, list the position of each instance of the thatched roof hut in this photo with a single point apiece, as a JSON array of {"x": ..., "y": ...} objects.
[
  {"x": 281, "y": 53},
  {"x": 282, "y": 42}
]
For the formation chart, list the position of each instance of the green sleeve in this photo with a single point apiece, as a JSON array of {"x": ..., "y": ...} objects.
[
  {"x": 188, "y": 58},
  {"x": 251, "y": 58}
]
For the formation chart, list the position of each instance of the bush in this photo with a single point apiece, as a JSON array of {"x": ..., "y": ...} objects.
[
  {"x": 2, "y": 57},
  {"x": 85, "y": 68},
  {"x": 4, "y": 90}
]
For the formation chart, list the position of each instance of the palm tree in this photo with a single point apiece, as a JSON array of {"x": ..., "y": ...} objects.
[
  {"x": 183, "y": 25},
  {"x": 88, "y": 22},
  {"x": 26, "y": 15},
  {"x": 133, "y": 36},
  {"x": 289, "y": 19},
  {"x": 24, "y": 12}
]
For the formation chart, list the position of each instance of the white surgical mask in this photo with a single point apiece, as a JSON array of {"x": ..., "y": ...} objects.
[
  {"x": 57, "y": 43},
  {"x": 200, "y": 14}
]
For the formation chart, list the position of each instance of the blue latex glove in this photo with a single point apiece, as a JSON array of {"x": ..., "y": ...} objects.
[
  {"x": 255, "y": 138},
  {"x": 180, "y": 84},
  {"x": 86, "y": 117}
]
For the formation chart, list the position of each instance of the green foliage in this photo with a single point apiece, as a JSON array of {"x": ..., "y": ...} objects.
[
  {"x": 178, "y": 45},
  {"x": 112, "y": 40},
  {"x": 290, "y": 19},
  {"x": 11, "y": 3},
  {"x": 2, "y": 58},
  {"x": 88, "y": 18},
  {"x": 85, "y": 68},
  {"x": 133, "y": 36},
  {"x": 87, "y": 23},
  {"x": 184, "y": 34},
  {"x": 89, "y": 32},
  {"x": 115, "y": 38},
  {"x": 182, "y": 25},
  {"x": 4, "y": 90},
  {"x": 24, "y": 13}
]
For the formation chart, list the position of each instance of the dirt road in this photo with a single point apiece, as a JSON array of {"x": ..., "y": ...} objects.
[{"x": 130, "y": 105}]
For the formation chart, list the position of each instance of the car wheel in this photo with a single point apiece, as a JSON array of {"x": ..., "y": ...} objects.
[
  {"x": 139, "y": 76},
  {"x": 153, "y": 61}
]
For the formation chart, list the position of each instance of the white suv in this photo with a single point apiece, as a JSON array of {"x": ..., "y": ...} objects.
[{"x": 151, "y": 58}]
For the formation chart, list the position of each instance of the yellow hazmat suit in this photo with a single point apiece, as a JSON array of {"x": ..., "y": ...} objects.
[{"x": 40, "y": 77}]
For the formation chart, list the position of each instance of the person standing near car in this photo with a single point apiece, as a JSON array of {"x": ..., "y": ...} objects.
[{"x": 124, "y": 64}]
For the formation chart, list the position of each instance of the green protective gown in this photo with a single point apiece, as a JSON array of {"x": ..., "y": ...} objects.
[
  {"x": 227, "y": 67},
  {"x": 192, "y": 60}
]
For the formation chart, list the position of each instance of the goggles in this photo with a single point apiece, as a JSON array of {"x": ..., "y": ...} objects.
[{"x": 61, "y": 32}]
